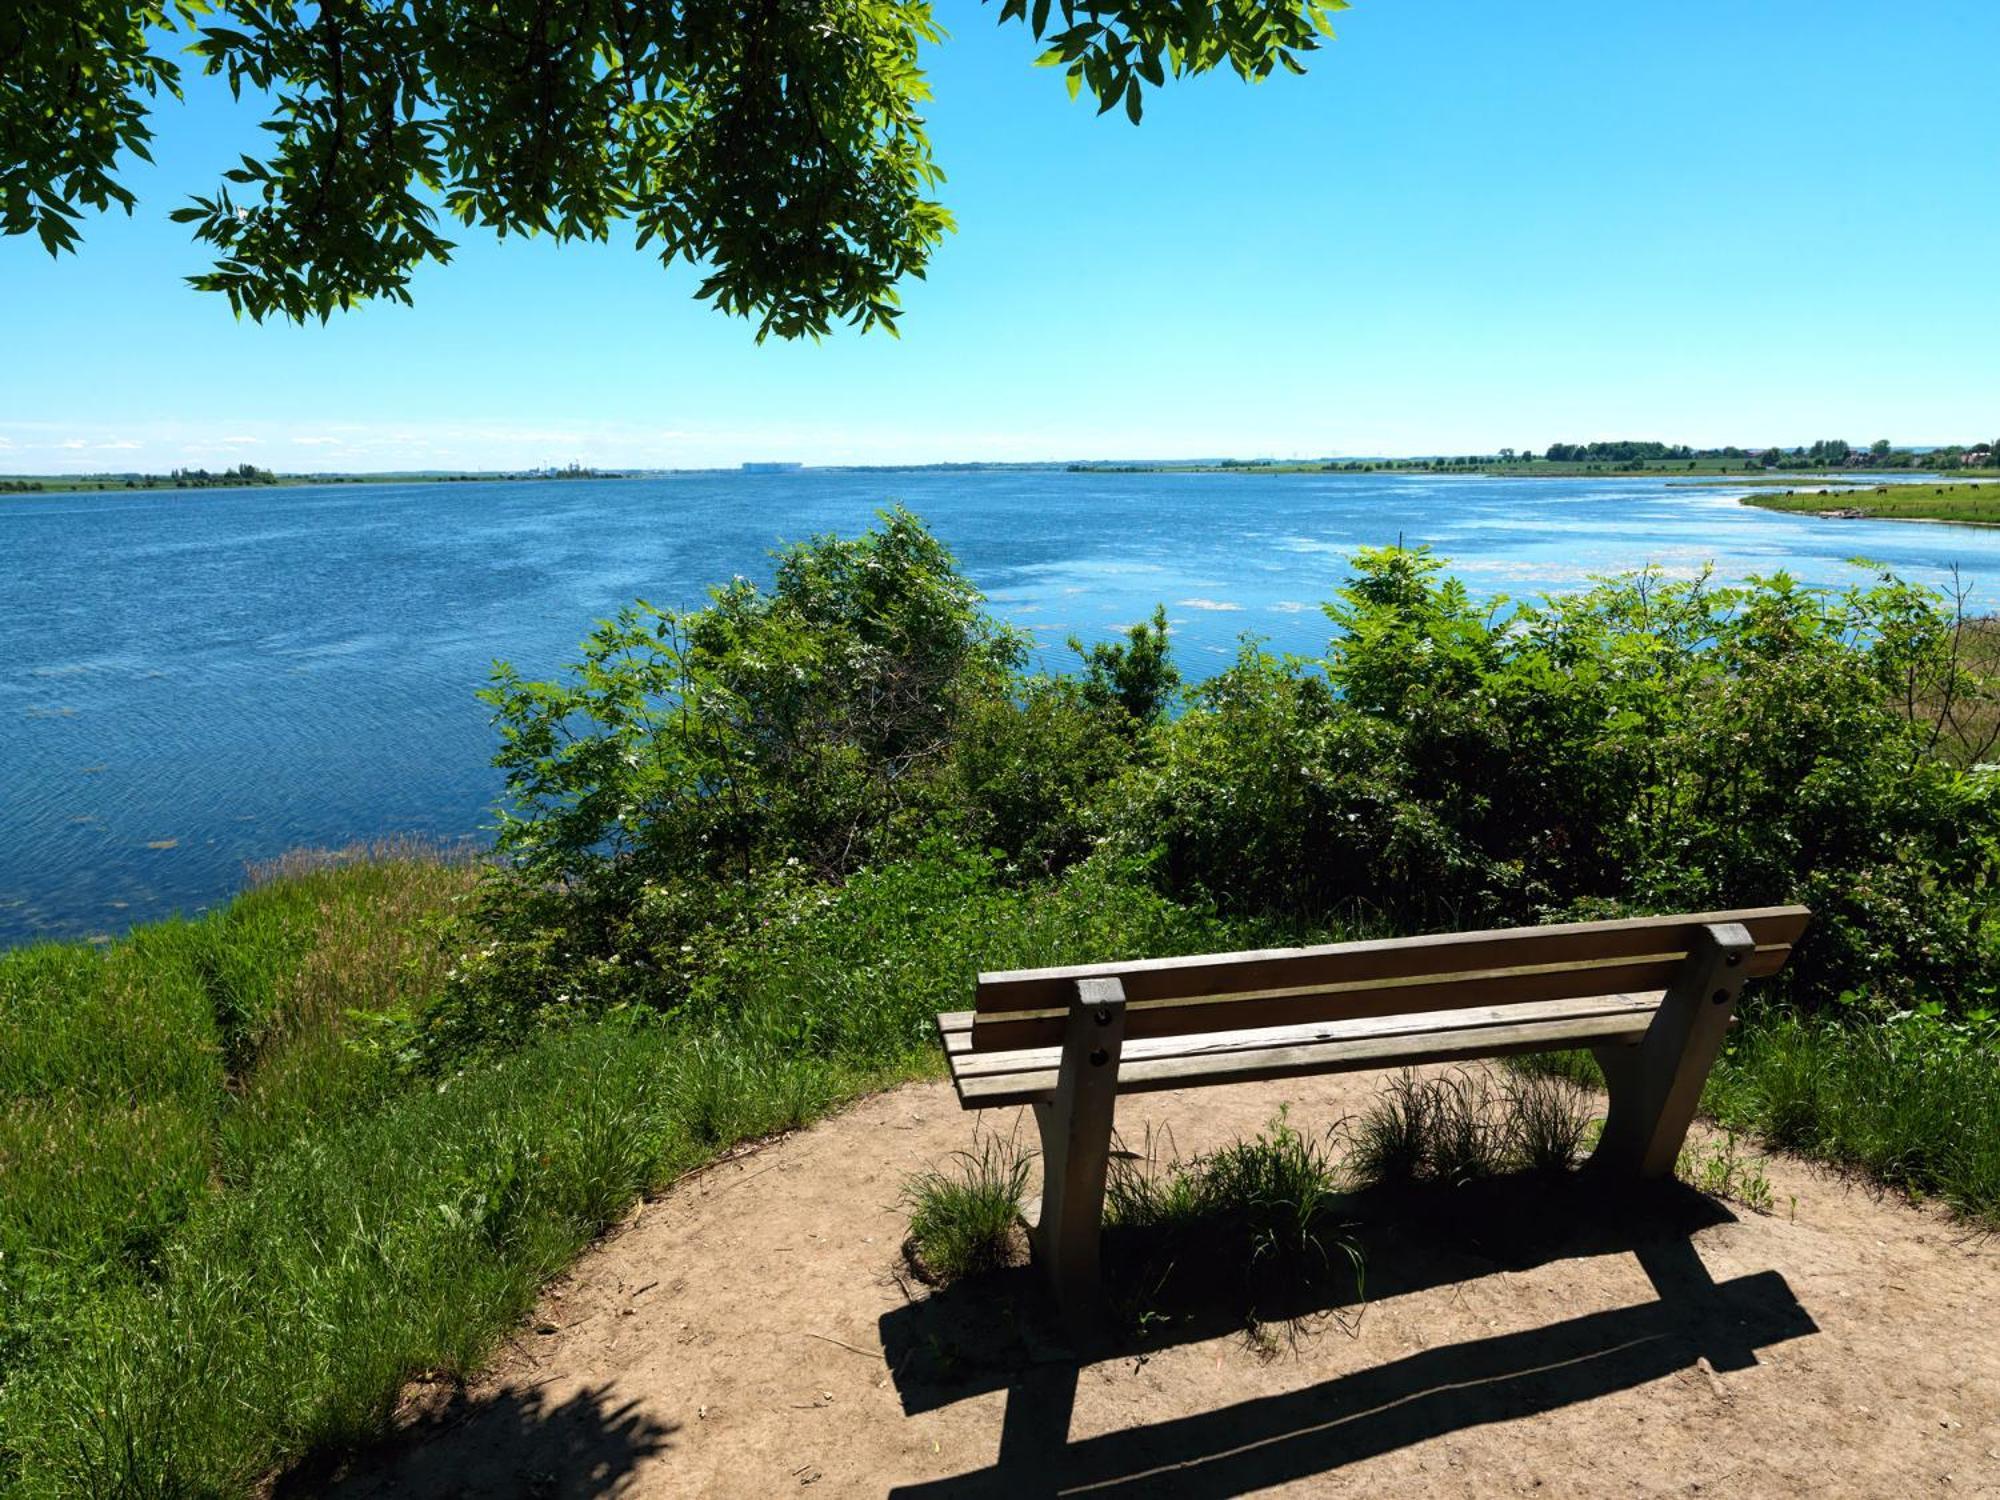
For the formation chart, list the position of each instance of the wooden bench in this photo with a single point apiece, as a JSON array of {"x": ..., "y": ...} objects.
[{"x": 1652, "y": 997}]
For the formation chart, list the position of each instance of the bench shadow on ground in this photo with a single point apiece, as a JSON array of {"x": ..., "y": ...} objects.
[
  {"x": 999, "y": 1333},
  {"x": 515, "y": 1443}
]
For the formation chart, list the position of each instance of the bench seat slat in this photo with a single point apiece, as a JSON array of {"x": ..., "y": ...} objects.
[
  {"x": 967, "y": 1063},
  {"x": 1146, "y": 1075}
]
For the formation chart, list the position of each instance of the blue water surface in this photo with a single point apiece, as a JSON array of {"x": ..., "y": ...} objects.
[{"x": 193, "y": 680}]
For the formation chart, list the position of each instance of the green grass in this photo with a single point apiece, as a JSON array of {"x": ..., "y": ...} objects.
[
  {"x": 965, "y": 1217},
  {"x": 1770, "y": 482},
  {"x": 1720, "y": 1169},
  {"x": 146, "y": 1088},
  {"x": 1968, "y": 503},
  {"x": 1257, "y": 1219},
  {"x": 231, "y": 1228},
  {"x": 1452, "y": 1128},
  {"x": 1911, "y": 1101}
]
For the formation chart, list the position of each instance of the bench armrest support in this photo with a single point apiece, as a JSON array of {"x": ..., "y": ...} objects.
[
  {"x": 1076, "y": 1145},
  {"x": 1656, "y": 1086}
]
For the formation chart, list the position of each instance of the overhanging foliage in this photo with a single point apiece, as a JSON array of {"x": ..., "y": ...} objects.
[{"x": 778, "y": 146}]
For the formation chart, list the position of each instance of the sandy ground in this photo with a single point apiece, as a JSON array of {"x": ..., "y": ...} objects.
[{"x": 754, "y": 1333}]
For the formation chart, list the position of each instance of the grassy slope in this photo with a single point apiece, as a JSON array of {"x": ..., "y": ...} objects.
[
  {"x": 229, "y": 1230},
  {"x": 1977, "y": 503}
]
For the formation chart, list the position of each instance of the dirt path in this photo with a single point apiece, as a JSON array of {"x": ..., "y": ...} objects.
[{"x": 731, "y": 1341}]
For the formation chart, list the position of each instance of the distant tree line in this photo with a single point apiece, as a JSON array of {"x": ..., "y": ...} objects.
[
  {"x": 178, "y": 479},
  {"x": 201, "y": 479},
  {"x": 1828, "y": 453},
  {"x": 1617, "y": 453}
]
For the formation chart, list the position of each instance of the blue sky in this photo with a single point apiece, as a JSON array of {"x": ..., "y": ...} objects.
[{"x": 1471, "y": 225}]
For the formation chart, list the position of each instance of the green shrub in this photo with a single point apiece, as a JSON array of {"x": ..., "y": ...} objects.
[
  {"x": 1646, "y": 745},
  {"x": 1136, "y": 675},
  {"x": 1643, "y": 746},
  {"x": 807, "y": 721},
  {"x": 1030, "y": 767}
]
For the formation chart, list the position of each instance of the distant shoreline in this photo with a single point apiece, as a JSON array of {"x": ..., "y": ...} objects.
[
  {"x": 1678, "y": 474},
  {"x": 1690, "y": 475},
  {"x": 153, "y": 484}
]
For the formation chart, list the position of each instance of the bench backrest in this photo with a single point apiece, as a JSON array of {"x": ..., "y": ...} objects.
[{"x": 1341, "y": 981}]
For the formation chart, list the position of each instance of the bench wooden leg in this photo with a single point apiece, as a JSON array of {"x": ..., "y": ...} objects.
[
  {"x": 1656, "y": 1085},
  {"x": 1076, "y": 1147}
]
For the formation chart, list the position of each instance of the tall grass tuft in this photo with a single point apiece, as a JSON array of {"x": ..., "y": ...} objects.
[
  {"x": 1432, "y": 1131},
  {"x": 1548, "y": 1117},
  {"x": 1914, "y": 1100},
  {"x": 965, "y": 1218},
  {"x": 1453, "y": 1128},
  {"x": 1262, "y": 1217}
]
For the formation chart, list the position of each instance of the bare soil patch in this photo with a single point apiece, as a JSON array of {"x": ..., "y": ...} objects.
[{"x": 756, "y": 1332}]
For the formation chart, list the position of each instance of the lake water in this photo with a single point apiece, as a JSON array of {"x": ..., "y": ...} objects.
[{"x": 190, "y": 681}]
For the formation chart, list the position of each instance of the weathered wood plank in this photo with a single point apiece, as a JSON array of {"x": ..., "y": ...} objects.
[
  {"x": 1418, "y": 958},
  {"x": 1656, "y": 1086},
  {"x": 1075, "y": 1125},
  {"x": 967, "y": 1063},
  {"x": 1343, "y": 1002},
  {"x": 1150, "y": 1075}
]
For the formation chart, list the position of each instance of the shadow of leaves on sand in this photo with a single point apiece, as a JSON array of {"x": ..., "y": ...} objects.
[{"x": 514, "y": 1444}]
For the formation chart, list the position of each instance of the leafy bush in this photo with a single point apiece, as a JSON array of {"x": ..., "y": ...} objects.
[
  {"x": 1643, "y": 746},
  {"x": 1137, "y": 675},
  {"x": 808, "y": 721},
  {"x": 1646, "y": 745},
  {"x": 1031, "y": 767},
  {"x": 692, "y": 758}
]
